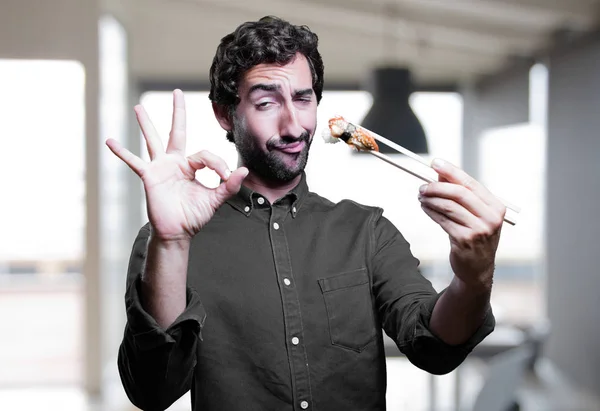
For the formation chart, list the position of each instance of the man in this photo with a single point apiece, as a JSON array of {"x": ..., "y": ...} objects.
[{"x": 260, "y": 295}]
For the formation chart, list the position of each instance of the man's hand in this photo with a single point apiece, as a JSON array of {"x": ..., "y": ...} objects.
[
  {"x": 178, "y": 204},
  {"x": 472, "y": 217}
]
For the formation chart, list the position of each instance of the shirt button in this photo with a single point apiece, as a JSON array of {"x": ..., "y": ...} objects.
[
  {"x": 260, "y": 200},
  {"x": 294, "y": 210},
  {"x": 276, "y": 226},
  {"x": 295, "y": 340},
  {"x": 304, "y": 405},
  {"x": 246, "y": 209},
  {"x": 286, "y": 281}
]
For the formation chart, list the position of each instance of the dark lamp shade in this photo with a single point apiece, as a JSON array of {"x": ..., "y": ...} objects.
[{"x": 391, "y": 115}]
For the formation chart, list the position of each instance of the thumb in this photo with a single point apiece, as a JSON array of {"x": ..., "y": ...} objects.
[{"x": 231, "y": 187}]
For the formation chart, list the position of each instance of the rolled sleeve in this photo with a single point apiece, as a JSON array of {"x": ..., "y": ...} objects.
[
  {"x": 405, "y": 300},
  {"x": 141, "y": 326},
  {"x": 428, "y": 352},
  {"x": 156, "y": 365},
  {"x": 147, "y": 333}
]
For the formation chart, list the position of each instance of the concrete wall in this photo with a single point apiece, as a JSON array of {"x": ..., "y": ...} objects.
[
  {"x": 45, "y": 30},
  {"x": 573, "y": 201}
]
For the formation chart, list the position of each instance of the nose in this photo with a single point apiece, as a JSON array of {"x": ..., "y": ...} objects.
[{"x": 289, "y": 126}]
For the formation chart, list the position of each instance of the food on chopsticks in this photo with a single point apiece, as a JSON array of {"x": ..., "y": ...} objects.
[
  {"x": 362, "y": 139},
  {"x": 358, "y": 138}
]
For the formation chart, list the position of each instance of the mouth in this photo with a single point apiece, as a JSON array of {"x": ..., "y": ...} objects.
[{"x": 292, "y": 148}]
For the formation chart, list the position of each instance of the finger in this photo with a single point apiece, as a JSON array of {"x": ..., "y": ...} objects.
[
  {"x": 206, "y": 158},
  {"x": 461, "y": 195},
  {"x": 231, "y": 187},
  {"x": 178, "y": 126},
  {"x": 453, "y": 229},
  {"x": 453, "y": 174},
  {"x": 451, "y": 210},
  {"x": 134, "y": 162},
  {"x": 153, "y": 143}
]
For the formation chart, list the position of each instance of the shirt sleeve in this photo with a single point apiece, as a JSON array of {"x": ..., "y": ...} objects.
[
  {"x": 405, "y": 299},
  {"x": 156, "y": 365}
]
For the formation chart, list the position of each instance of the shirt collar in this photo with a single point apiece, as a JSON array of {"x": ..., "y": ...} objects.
[{"x": 244, "y": 201}]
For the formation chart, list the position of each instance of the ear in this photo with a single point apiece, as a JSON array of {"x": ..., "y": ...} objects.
[{"x": 223, "y": 117}]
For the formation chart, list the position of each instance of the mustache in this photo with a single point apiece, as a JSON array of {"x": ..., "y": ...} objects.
[{"x": 284, "y": 140}]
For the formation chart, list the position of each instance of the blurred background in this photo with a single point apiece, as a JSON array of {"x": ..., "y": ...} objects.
[{"x": 507, "y": 89}]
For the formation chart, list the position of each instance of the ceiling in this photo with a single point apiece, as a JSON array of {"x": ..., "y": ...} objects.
[{"x": 442, "y": 41}]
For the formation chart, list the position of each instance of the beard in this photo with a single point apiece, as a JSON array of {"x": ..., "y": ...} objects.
[{"x": 270, "y": 165}]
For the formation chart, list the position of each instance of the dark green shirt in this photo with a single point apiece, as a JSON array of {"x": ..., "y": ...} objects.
[{"x": 286, "y": 303}]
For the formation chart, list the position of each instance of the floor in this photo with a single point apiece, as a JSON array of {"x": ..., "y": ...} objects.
[{"x": 549, "y": 391}]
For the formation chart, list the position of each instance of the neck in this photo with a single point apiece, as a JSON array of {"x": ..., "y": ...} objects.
[{"x": 271, "y": 190}]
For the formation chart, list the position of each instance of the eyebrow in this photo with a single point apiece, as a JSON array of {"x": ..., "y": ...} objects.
[
  {"x": 276, "y": 87},
  {"x": 264, "y": 87},
  {"x": 304, "y": 92}
]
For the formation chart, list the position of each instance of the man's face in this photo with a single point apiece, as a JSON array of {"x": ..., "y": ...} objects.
[{"x": 275, "y": 120}]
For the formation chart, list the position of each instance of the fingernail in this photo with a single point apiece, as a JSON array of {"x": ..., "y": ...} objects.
[
  {"x": 227, "y": 173},
  {"x": 422, "y": 189},
  {"x": 438, "y": 163}
]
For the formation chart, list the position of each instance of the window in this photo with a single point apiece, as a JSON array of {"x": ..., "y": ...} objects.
[
  {"x": 41, "y": 246},
  {"x": 512, "y": 164}
]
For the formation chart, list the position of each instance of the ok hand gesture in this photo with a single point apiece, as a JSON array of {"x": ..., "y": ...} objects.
[{"x": 178, "y": 204}]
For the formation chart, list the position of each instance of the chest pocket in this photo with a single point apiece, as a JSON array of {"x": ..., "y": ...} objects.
[{"x": 349, "y": 309}]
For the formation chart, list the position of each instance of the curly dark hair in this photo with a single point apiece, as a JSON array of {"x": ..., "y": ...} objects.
[{"x": 270, "y": 40}]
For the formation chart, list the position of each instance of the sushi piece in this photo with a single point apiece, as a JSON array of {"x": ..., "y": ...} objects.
[{"x": 358, "y": 138}]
